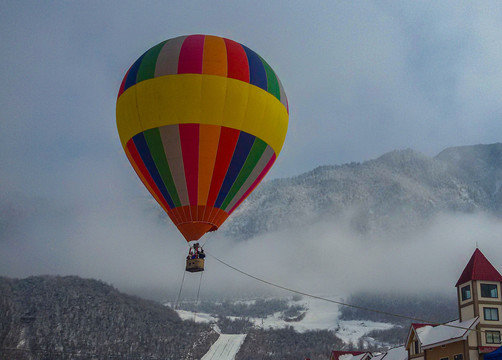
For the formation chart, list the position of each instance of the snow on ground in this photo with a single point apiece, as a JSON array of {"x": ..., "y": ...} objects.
[
  {"x": 353, "y": 330},
  {"x": 199, "y": 317},
  {"x": 225, "y": 348},
  {"x": 323, "y": 315},
  {"x": 320, "y": 315}
]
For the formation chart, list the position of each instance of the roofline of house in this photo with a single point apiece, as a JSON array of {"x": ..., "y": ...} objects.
[
  {"x": 413, "y": 329},
  {"x": 452, "y": 340}
]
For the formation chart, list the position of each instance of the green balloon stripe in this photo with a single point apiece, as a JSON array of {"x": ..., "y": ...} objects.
[
  {"x": 272, "y": 81},
  {"x": 149, "y": 62},
  {"x": 254, "y": 156},
  {"x": 154, "y": 142}
]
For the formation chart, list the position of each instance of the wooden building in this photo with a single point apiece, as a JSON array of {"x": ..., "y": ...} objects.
[{"x": 477, "y": 331}]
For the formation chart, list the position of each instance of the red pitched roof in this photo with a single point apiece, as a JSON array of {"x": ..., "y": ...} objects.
[
  {"x": 479, "y": 268},
  {"x": 413, "y": 330},
  {"x": 419, "y": 325},
  {"x": 336, "y": 354}
]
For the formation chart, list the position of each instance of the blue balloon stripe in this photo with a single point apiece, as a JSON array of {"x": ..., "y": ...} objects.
[
  {"x": 144, "y": 152},
  {"x": 257, "y": 73},
  {"x": 241, "y": 152},
  {"x": 133, "y": 73}
]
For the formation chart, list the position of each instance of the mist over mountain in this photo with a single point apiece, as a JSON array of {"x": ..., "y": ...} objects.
[
  {"x": 348, "y": 228},
  {"x": 401, "y": 211},
  {"x": 393, "y": 195}
]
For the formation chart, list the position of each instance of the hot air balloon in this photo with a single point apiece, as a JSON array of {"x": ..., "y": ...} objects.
[{"x": 201, "y": 119}]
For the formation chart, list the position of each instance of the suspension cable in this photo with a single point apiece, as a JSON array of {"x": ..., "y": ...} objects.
[
  {"x": 179, "y": 294},
  {"x": 198, "y": 292},
  {"x": 433, "y": 323}
]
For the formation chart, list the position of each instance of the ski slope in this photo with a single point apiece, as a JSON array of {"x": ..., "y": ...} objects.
[{"x": 225, "y": 348}]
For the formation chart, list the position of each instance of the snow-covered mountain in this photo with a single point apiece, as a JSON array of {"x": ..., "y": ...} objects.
[{"x": 398, "y": 192}]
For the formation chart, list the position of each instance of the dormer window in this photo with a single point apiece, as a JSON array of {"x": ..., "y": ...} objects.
[
  {"x": 489, "y": 291},
  {"x": 466, "y": 292},
  {"x": 416, "y": 347}
]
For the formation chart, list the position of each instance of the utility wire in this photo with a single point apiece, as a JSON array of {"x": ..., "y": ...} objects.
[{"x": 434, "y": 323}]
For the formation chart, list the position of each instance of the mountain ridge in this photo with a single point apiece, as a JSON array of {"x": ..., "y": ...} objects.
[{"x": 397, "y": 191}]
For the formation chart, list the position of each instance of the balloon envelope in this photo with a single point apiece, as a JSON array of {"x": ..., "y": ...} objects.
[{"x": 201, "y": 119}]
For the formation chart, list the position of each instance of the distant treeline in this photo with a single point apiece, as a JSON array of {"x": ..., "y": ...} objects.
[
  {"x": 287, "y": 344},
  {"x": 431, "y": 308},
  {"x": 260, "y": 308}
]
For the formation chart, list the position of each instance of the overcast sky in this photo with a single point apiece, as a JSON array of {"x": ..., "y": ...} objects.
[{"x": 362, "y": 78}]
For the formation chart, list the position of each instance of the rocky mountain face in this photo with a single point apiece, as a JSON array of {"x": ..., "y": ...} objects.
[
  {"x": 394, "y": 193},
  {"x": 52, "y": 317}
]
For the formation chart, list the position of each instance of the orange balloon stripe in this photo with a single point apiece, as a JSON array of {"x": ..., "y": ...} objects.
[
  {"x": 218, "y": 216},
  {"x": 214, "y": 60},
  {"x": 206, "y": 213},
  {"x": 209, "y": 137},
  {"x": 197, "y": 212},
  {"x": 180, "y": 215}
]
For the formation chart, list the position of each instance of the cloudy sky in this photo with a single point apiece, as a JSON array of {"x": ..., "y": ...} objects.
[{"x": 362, "y": 78}]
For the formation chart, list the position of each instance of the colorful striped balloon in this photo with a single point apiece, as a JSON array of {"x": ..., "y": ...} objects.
[{"x": 201, "y": 119}]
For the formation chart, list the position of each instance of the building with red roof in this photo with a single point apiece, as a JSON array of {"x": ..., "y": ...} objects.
[
  {"x": 478, "y": 293},
  {"x": 479, "y": 268},
  {"x": 350, "y": 355},
  {"x": 478, "y": 329}
]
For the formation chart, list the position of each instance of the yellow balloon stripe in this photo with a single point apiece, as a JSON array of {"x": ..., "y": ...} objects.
[{"x": 202, "y": 99}]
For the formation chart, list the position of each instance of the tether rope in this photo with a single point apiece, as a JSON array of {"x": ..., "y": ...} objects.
[
  {"x": 181, "y": 287},
  {"x": 434, "y": 323},
  {"x": 198, "y": 292}
]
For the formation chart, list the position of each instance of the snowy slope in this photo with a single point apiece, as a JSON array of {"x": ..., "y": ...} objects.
[
  {"x": 400, "y": 189},
  {"x": 225, "y": 348},
  {"x": 319, "y": 315},
  {"x": 198, "y": 317}
]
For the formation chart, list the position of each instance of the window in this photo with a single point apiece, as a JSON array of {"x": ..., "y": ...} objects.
[
  {"x": 417, "y": 348},
  {"x": 491, "y": 313},
  {"x": 492, "y": 337},
  {"x": 466, "y": 292},
  {"x": 458, "y": 357},
  {"x": 445, "y": 358},
  {"x": 489, "y": 290}
]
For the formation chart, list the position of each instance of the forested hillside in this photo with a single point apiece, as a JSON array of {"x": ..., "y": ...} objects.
[
  {"x": 51, "y": 317},
  {"x": 393, "y": 194},
  {"x": 286, "y": 344}
]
